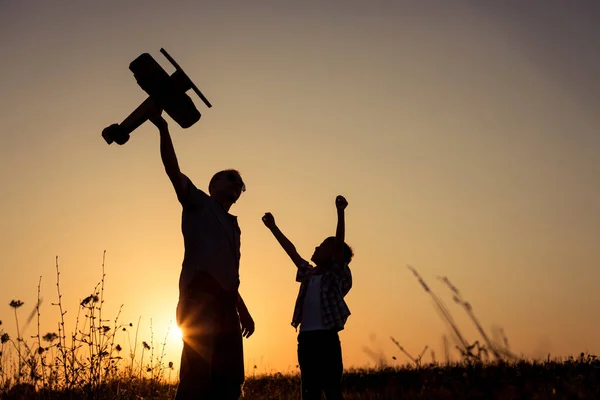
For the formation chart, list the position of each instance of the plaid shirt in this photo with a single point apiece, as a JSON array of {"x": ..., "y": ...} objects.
[{"x": 335, "y": 284}]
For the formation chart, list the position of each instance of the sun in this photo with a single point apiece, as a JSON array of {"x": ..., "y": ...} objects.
[{"x": 175, "y": 334}]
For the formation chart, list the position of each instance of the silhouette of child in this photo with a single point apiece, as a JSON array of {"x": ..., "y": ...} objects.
[{"x": 320, "y": 308}]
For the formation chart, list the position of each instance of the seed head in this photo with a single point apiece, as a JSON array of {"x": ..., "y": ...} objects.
[
  {"x": 50, "y": 337},
  {"x": 16, "y": 304}
]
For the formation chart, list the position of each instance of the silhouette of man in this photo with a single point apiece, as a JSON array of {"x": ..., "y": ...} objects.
[{"x": 210, "y": 312}]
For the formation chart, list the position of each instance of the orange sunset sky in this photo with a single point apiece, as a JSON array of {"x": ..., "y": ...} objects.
[{"x": 464, "y": 134}]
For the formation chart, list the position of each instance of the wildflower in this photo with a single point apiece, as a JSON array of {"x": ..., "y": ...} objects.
[
  {"x": 146, "y": 345},
  {"x": 40, "y": 350},
  {"x": 4, "y": 338},
  {"x": 90, "y": 299},
  {"x": 171, "y": 364},
  {"x": 118, "y": 347},
  {"x": 105, "y": 328},
  {"x": 16, "y": 303},
  {"x": 50, "y": 337}
]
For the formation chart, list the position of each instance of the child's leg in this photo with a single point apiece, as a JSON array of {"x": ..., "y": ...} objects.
[
  {"x": 310, "y": 361},
  {"x": 333, "y": 367}
]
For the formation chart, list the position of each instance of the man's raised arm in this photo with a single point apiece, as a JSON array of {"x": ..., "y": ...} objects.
[{"x": 169, "y": 158}]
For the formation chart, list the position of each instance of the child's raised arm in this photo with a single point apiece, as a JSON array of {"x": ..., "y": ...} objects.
[
  {"x": 340, "y": 204},
  {"x": 288, "y": 246}
]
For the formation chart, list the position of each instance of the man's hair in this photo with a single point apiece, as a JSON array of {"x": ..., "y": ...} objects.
[
  {"x": 219, "y": 175},
  {"x": 348, "y": 252}
]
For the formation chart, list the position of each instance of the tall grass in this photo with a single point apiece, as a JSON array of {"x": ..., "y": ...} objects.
[
  {"x": 87, "y": 361},
  {"x": 90, "y": 362},
  {"x": 469, "y": 352}
]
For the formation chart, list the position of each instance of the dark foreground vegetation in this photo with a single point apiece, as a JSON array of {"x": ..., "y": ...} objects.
[{"x": 103, "y": 358}]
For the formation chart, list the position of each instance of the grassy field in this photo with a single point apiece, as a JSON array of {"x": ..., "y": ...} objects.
[
  {"x": 88, "y": 363},
  {"x": 570, "y": 379}
]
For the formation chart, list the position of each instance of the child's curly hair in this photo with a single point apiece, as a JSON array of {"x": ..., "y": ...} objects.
[{"x": 348, "y": 252}]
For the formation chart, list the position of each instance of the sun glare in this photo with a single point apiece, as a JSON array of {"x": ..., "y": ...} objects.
[{"x": 175, "y": 334}]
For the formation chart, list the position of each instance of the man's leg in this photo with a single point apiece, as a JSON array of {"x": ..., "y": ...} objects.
[
  {"x": 309, "y": 359},
  {"x": 228, "y": 368},
  {"x": 228, "y": 357},
  {"x": 196, "y": 318},
  {"x": 194, "y": 374},
  {"x": 333, "y": 367},
  {"x": 225, "y": 388}
]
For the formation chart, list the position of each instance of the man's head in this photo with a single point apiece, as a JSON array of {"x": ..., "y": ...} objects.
[
  {"x": 226, "y": 186},
  {"x": 324, "y": 253}
]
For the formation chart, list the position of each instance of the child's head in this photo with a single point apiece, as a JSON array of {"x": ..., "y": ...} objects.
[{"x": 324, "y": 253}]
